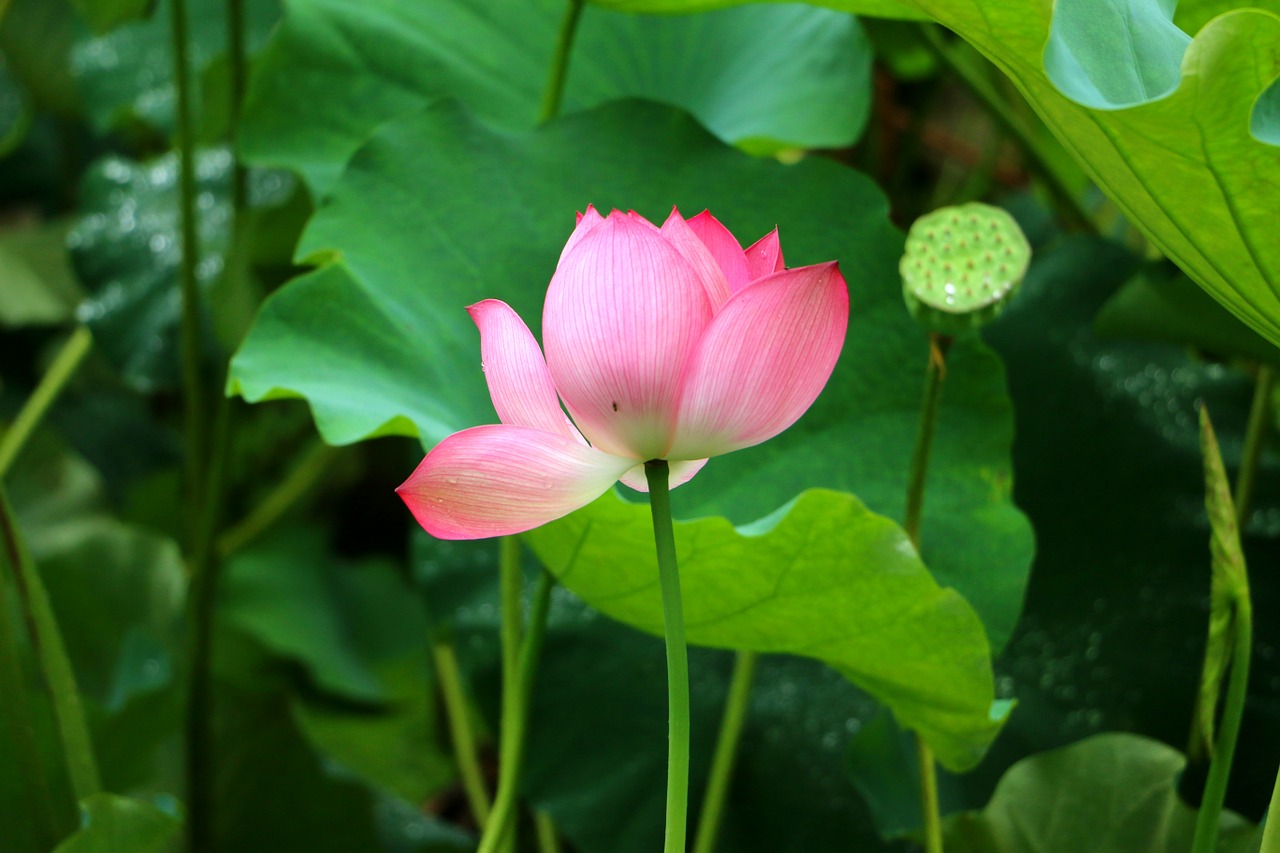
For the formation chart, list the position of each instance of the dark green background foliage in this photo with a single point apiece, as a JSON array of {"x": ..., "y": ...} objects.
[{"x": 398, "y": 171}]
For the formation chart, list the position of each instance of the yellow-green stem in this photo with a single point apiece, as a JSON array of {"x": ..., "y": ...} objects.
[
  {"x": 548, "y": 840},
  {"x": 1271, "y": 833},
  {"x": 553, "y": 94},
  {"x": 1215, "y": 789},
  {"x": 457, "y": 714},
  {"x": 735, "y": 714},
  {"x": 51, "y": 384},
  {"x": 658, "y": 474},
  {"x": 935, "y": 373},
  {"x": 297, "y": 484},
  {"x": 499, "y": 831},
  {"x": 1254, "y": 440}
]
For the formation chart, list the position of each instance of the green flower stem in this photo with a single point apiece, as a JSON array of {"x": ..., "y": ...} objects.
[
  {"x": 204, "y": 568},
  {"x": 658, "y": 474},
  {"x": 511, "y": 583},
  {"x": 499, "y": 830},
  {"x": 1254, "y": 439},
  {"x": 238, "y": 73},
  {"x": 458, "y": 716},
  {"x": 299, "y": 483},
  {"x": 192, "y": 384},
  {"x": 1271, "y": 832},
  {"x": 1215, "y": 789},
  {"x": 548, "y": 840},
  {"x": 735, "y": 714},
  {"x": 33, "y": 411},
  {"x": 46, "y": 640},
  {"x": 935, "y": 373},
  {"x": 554, "y": 92},
  {"x": 48, "y": 822},
  {"x": 971, "y": 75}
]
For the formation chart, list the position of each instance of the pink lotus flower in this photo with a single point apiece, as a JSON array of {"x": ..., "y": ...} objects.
[{"x": 668, "y": 343}]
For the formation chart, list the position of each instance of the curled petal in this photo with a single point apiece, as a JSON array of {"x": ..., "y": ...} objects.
[
  {"x": 763, "y": 361},
  {"x": 519, "y": 383},
  {"x": 586, "y": 222},
  {"x": 496, "y": 480},
  {"x": 682, "y": 471},
  {"x": 680, "y": 235},
  {"x": 765, "y": 256},
  {"x": 623, "y": 316},
  {"x": 724, "y": 247}
]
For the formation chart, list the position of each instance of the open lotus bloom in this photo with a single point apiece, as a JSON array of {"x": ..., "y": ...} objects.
[{"x": 663, "y": 343}]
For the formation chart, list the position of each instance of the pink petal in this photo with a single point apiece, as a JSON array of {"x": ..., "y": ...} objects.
[
  {"x": 623, "y": 316},
  {"x": 496, "y": 480},
  {"x": 724, "y": 247},
  {"x": 585, "y": 224},
  {"x": 519, "y": 383},
  {"x": 763, "y": 361},
  {"x": 682, "y": 471},
  {"x": 680, "y": 235},
  {"x": 765, "y": 256}
]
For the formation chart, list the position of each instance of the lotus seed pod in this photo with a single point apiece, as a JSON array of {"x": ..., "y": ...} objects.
[{"x": 961, "y": 266}]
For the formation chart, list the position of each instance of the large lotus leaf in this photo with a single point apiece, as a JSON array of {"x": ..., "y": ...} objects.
[
  {"x": 377, "y": 341},
  {"x": 827, "y": 579},
  {"x": 127, "y": 74},
  {"x": 1111, "y": 793},
  {"x": 1180, "y": 133},
  {"x": 126, "y": 249},
  {"x": 761, "y": 76},
  {"x": 596, "y": 757}
]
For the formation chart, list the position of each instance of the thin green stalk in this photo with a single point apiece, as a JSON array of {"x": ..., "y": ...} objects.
[
  {"x": 511, "y": 584},
  {"x": 975, "y": 81},
  {"x": 548, "y": 840},
  {"x": 51, "y": 384},
  {"x": 1254, "y": 440},
  {"x": 192, "y": 384},
  {"x": 205, "y": 569},
  {"x": 458, "y": 717},
  {"x": 238, "y": 73},
  {"x": 658, "y": 474},
  {"x": 297, "y": 484},
  {"x": 935, "y": 373},
  {"x": 554, "y": 92},
  {"x": 50, "y": 651},
  {"x": 1215, "y": 789},
  {"x": 1271, "y": 832},
  {"x": 735, "y": 714},
  {"x": 36, "y": 794},
  {"x": 499, "y": 829}
]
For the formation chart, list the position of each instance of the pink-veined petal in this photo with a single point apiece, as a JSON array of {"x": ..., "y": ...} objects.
[
  {"x": 763, "y": 361},
  {"x": 496, "y": 480},
  {"x": 680, "y": 235},
  {"x": 765, "y": 256},
  {"x": 725, "y": 248},
  {"x": 585, "y": 223},
  {"x": 519, "y": 383},
  {"x": 623, "y": 316},
  {"x": 682, "y": 471}
]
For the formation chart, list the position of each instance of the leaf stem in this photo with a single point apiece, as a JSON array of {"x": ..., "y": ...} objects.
[
  {"x": 935, "y": 373},
  {"x": 553, "y": 95},
  {"x": 973, "y": 79},
  {"x": 192, "y": 384},
  {"x": 1271, "y": 832},
  {"x": 51, "y": 385},
  {"x": 238, "y": 68},
  {"x": 1254, "y": 440},
  {"x": 500, "y": 828},
  {"x": 298, "y": 483},
  {"x": 458, "y": 717},
  {"x": 1215, "y": 789},
  {"x": 548, "y": 841},
  {"x": 657, "y": 471},
  {"x": 46, "y": 640},
  {"x": 46, "y": 826},
  {"x": 735, "y": 714}
]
